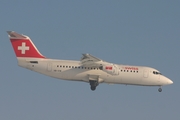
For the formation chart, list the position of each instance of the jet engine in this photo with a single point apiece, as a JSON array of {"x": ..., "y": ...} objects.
[{"x": 110, "y": 69}]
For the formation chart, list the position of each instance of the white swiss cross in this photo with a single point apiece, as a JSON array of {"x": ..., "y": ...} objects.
[{"x": 23, "y": 48}]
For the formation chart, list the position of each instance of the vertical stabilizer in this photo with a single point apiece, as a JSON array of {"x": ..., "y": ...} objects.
[{"x": 23, "y": 46}]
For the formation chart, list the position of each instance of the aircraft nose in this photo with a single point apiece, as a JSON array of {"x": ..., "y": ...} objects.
[
  {"x": 170, "y": 81},
  {"x": 167, "y": 80}
]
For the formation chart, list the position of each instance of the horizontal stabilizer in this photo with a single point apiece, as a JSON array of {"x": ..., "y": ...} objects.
[{"x": 15, "y": 35}]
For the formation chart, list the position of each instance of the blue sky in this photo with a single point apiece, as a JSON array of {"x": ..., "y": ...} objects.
[{"x": 125, "y": 32}]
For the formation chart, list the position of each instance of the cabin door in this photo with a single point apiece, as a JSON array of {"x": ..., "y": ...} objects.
[
  {"x": 146, "y": 73},
  {"x": 49, "y": 67}
]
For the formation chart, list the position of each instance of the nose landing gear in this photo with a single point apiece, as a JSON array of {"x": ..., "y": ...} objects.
[{"x": 160, "y": 89}]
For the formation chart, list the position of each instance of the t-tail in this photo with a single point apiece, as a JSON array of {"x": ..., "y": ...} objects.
[
  {"x": 23, "y": 46},
  {"x": 24, "y": 49}
]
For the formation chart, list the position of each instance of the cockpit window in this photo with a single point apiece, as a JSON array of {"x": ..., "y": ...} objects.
[{"x": 156, "y": 73}]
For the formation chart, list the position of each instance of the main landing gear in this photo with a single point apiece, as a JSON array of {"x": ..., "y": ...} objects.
[
  {"x": 160, "y": 89},
  {"x": 93, "y": 84}
]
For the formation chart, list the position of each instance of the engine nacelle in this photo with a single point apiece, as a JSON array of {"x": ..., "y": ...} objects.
[{"x": 110, "y": 69}]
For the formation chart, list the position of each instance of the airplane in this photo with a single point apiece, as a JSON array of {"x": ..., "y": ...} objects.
[{"x": 89, "y": 69}]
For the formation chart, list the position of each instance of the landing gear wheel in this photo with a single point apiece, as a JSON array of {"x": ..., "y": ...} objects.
[
  {"x": 93, "y": 88},
  {"x": 93, "y": 85},
  {"x": 160, "y": 89}
]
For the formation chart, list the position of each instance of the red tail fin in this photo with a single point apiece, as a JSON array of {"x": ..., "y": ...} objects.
[{"x": 23, "y": 46}]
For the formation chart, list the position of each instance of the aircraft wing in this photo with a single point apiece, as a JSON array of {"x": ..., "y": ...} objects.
[{"x": 91, "y": 61}]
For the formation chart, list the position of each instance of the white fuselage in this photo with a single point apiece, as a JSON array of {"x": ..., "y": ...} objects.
[
  {"x": 89, "y": 69},
  {"x": 72, "y": 70}
]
